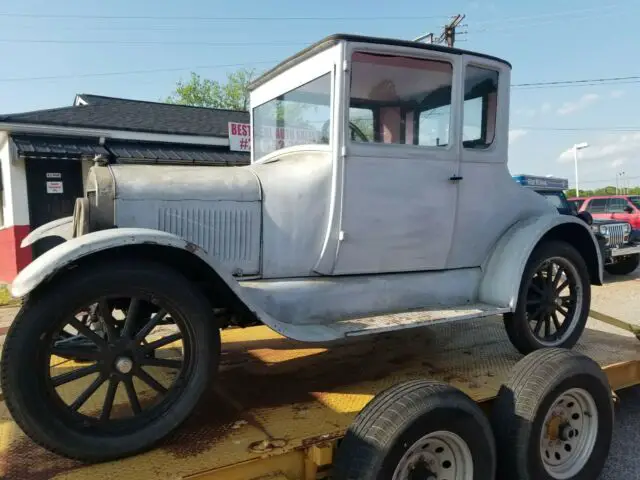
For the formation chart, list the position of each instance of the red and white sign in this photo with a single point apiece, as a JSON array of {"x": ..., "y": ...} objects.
[
  {"x": 270, "y": 137},
  {"x": 239, "y": 137}
]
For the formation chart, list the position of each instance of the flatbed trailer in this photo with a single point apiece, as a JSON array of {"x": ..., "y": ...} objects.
[{"x": 280, "y": 407}]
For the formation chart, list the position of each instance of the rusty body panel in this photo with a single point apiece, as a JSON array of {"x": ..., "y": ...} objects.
[{"x": 279, "y": 405}]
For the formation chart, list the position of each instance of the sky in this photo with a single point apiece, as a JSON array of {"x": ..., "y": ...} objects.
[{"x": 139, "y": 49}]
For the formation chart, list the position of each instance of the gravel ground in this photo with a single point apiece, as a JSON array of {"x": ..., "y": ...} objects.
[{"x": 619, "y": 297}]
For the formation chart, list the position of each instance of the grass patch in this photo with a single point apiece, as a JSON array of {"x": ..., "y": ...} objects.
[{"x": 6, "y": 300}]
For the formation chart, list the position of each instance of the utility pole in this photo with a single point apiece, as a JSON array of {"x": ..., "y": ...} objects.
[
  {"x": 448, "y": 34},
  {"x": 450, "y": 30}
]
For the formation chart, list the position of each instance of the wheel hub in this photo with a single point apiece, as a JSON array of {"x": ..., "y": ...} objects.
[{"x": 124, "y": 365}]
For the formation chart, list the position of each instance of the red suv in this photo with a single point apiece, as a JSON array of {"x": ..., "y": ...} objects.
[{"x": 616, "y": 207}]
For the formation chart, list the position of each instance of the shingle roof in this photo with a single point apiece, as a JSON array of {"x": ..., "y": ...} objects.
[
  {"x": 127, "y": 152},
  {"x": 58, "y": 147},
  {"x": 135, "y": 115}
]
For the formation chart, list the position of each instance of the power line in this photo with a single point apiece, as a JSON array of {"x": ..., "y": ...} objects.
[
  {"x": 572, "y": 82},
  {"x": 217, "y": 18},
  {"x": 135, "y": 72},
  {"x": 153, "y": 42}
]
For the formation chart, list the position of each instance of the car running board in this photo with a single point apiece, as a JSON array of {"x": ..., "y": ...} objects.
[{"x": 413, "y": 319}]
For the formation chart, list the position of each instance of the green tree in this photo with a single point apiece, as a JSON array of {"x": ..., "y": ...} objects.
[{"x": 202, "y": 92}]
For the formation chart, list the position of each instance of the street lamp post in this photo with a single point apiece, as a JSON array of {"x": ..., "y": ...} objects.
[{"x": 576, "y": 147}]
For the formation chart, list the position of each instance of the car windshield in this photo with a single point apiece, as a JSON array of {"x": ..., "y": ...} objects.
[{"x": 558, "y": 200}]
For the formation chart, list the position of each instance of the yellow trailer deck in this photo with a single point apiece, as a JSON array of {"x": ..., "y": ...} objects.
[{"x": 279, "y": 406}]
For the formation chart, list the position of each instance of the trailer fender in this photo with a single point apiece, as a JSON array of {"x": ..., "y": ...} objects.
[
  {"x": 62, "y": 228},
  {"x": 65, "y": 255},
  {"x": 504, "y": 268}
]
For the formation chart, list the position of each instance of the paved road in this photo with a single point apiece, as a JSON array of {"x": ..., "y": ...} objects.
[{"x": 620, "y": 297}]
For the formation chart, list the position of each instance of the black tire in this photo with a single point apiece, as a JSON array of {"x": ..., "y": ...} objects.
[
  {"x": 535, "y": 385},
  {"x": 27, "y": 386},
  {"x": 518, "y": 325},
  {"x": 625, "y": 266},
  {"x": 399, "y": 417}
]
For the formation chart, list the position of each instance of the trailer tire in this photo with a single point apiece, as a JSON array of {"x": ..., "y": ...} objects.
[
  {"x": 553, "y": 418},
  {"x": 625, "y": 266},
  {"x": 30, "y": 388},
  {"x": 518, "y": 324},
  {"x": 442, "y": 423}
]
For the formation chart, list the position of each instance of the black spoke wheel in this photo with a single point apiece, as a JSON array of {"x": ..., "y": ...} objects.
[
  {"x": 553, "y": 301},
  {"x": 115, "y": 365}
]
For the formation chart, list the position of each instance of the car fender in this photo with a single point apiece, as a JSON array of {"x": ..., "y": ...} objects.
[
  {"x": 66, "y": 254},
  {"x": 504, "y": 268},
  {"x": 62, "y": 227}
]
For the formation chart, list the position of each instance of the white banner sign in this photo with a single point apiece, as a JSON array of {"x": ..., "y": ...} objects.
[{"x": 239, "y": 137}]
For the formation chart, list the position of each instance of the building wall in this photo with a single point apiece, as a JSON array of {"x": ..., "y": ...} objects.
[{"x": 15, "y": 212}]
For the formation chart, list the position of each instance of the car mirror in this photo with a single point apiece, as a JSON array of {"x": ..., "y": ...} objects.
[
  {"x": 586, "y": 217},
  {"x": 628, "y": 209}
]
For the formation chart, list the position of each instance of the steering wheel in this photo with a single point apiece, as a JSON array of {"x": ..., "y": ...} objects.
[{"x": 355, "y": 131}]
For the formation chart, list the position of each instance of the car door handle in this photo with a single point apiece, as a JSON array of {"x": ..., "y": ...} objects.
[{"x": 455, "y": 178}]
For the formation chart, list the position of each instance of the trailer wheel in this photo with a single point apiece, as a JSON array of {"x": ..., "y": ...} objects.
[
  {"x": 553, "y": 301},
  {"x": 624, "y": 266},
  {"x": 553, "y": 419},
  {"x": 108, "y": 359},
  {"x": 418, "y": 430}
]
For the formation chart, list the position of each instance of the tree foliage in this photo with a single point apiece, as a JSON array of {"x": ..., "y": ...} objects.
[
  {"x": 610, "y": 190},
  {"x": 202, "y": 92}
]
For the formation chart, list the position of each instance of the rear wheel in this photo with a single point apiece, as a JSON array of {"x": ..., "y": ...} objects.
[
  {"x": 418, "y": 430},
  {"x": 624, "y": 266},
  {"x": 553, "y": 418},
  {"x": 109, "y": 360},
  {"x": 553, "y": 301}
]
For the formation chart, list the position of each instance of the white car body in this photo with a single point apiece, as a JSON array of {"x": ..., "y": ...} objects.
[{"x": 323, "y": 241}]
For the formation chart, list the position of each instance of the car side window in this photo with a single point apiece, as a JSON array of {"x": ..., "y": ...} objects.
[
  {"x": 616, "y": 205},
  {"x": 597, "y": 205},
  {"x": 407, "y": 99},
  {"x": 480, "y": 107}
]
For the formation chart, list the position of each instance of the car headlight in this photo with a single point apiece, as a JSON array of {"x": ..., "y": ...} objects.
[
  {"x": 626, "y": 228},
  {"x": 604, "y": 230}
]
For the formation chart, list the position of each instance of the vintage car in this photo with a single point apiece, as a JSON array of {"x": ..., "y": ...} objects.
[
  {"x": 619, "y": 246},
  {"x": 359, "y": 214}
]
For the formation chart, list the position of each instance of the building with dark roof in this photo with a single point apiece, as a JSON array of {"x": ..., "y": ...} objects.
[{"x": 45, "y": 155}]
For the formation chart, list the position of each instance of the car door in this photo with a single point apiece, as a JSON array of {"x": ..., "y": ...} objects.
[
  {"x": 399, "y": 191},
  {"x": 618, "y": 208},
  {"x": 627, "y": 211},
  {"x": 597, "y": 207}
]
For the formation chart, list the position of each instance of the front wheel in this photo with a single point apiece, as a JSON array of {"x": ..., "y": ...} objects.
[
  {"x": 553, "y": 300},
  {"x": 109, "y": 360},
  {"x": 624, "y": 266}
]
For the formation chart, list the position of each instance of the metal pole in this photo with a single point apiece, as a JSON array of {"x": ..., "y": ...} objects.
[{"x": 575, "y": 161}]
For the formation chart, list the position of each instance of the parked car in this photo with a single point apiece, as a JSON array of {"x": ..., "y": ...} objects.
[
  {"x": 619, "y": 243},
  {"x": 617, "y": 207},
  {"x": 370, "y": 205}
]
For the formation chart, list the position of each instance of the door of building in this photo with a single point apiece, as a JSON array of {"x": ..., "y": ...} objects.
[{"x": 52, "y": 188}]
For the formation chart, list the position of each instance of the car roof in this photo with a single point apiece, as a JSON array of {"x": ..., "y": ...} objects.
[{"x": 336, "y": 38}]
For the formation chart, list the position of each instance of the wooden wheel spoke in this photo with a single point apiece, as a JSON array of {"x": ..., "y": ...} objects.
[
  {"x": 556, "y": 322},
  {"x": 76, "y": 353},
  {"x": 74, "y": 375},
  {"x": 161, "y": 342},
  {"x": 535, "y": 315},
  {"x": 549, "y": 274},
  {"x": 538, "y": 326},
  {"x": 163, "y": 362},
  {"x": 107, "y": 406},
  {"x": 84, "y": 396},
  {"x": 547, "y": 326},
  {"x": 132, "y": 315},
  {"x": 87, "y": 332},
  {"x": 133, "y": 396},
  {"x": 149, "y": 380},
  {"x": 558, "y": 277},
  {"x": 150, "y": 325},
  {"x": 562, "y": 286},
  {"x": 564, "y": 312},
  {"x": 107, "y": 319},
  {"x": 536, "y": 289}
]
